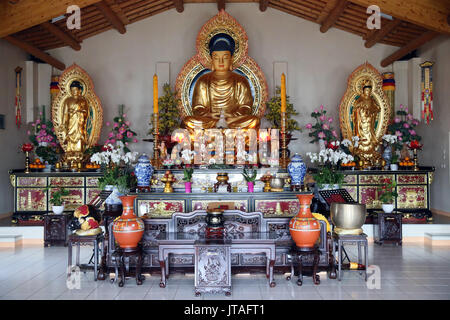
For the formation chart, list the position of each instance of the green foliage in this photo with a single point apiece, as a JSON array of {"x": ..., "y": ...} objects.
[
  {"x": 188, "y": 174},
  {"x": 248, "y": 177},
  {"x": 116, "y": 176},
  {"x": 388, "y": 191},
  {"x": 273, "y": 113},
  {"x": 169, "y": 115},
  {"x": 394, "y": 158},
  {"x": 327, "y": 175},
  {"x": 94, "y": 149},
  {"x": 48, "y": 154},
  {"x": 322, "y": 129},
  {"x": 56, "y": 198}
]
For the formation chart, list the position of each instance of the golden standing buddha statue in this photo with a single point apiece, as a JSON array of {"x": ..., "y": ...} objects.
[
  {"x": 222, "y": 92},
  {"x": 75, "y": 114},
  {"x": 364, "y": 116}
]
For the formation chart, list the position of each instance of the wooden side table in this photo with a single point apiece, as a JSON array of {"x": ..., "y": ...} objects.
[
  {"x": 56, "y": 229},
  {"x": 387, "y": 227},
  {"x": 77, "y": 240},
  {"x": 297, "y": 255},
  {"x": 340, "y": 240},
  {"x": 121, "y": 258}
]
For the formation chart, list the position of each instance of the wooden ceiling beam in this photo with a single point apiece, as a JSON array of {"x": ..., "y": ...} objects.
[
  {"x": 414, "y": 44},
  {"x": 333, "y": 16},
  {"x": 381, "y": 33},
  {"x": 28, "y": 13},
  {"x": 220, "y": 5},
  {"x": 263, "y": 5},
  {"x": 60, "y": 34},
  {"x": 111, "y": 16},
  {"x": 178, "y": 5},
  {"x": 36, "y": 52},
  {"x": 430, "y": 14}
]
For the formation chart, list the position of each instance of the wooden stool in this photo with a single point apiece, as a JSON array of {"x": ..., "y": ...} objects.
[
  {"x": 340, "y": 240},
  {"x": 297, "y": 254},
  {"x": 121, "y": 258},
  {"x": 95, "y": 240}
]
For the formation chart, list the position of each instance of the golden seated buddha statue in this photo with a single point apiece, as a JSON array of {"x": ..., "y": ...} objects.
[{"x": 222, "y": 91}]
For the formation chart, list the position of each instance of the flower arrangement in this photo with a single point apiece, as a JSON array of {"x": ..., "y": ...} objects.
[
  {"x": 44, "y": 139},
  {"x": 121, "y": 130},
  {"x": 187, "y": 172},
  {"x": 390, "y": 139},
  {"x": 388, "y": 192},
  {"x": 322, "y": 129},
  {"x": 403, "y": 126},
  {"x": 114, "y": 155},
  {"x": 56, "y": 198},
  {"x": 169, "y": 115},
  {"x": 273, "y": 113}
]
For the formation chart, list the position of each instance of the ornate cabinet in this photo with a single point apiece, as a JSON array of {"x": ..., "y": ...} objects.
[
  {"x": 56, "y": 229},
  {"x": 32, "y": 192},
  {"x": 387, "y": 227}
]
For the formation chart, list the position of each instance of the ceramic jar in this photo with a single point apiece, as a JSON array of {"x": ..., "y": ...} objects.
[
  {"x": 387, "y": 207},
  {"x": 297, "y": 170},
  {"x": 128, "y": 229},
  {"x": 113, "y": 198},
  {"x": 143, "y": 171},
  {"x": 304, "y": 228}
]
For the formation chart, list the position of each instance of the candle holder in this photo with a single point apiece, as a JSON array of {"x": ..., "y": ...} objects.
[
  {"x": 416, "y": 165},
  {"x": 156, "y": 161},
  {"x": 284, "y": 158},
  {"x": 26, "y": 148}
]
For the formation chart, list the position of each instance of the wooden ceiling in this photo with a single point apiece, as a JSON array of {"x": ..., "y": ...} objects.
[{"x": 418, "y": 22}]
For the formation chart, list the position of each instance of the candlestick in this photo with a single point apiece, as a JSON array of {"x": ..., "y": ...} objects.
[
  {"x": 284, "y": 159},
  {"x": 155, "y": 94},
  {"x": 283, "y": 93},
  {"x": 156, "y": 162}
]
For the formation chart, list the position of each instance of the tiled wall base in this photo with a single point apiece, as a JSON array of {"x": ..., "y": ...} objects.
[{"x": 437, "y": 239}]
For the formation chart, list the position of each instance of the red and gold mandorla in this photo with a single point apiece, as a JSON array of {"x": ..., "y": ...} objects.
[
  {"x": 128, "y": 229},
  {"x": 304, "y": 228}
]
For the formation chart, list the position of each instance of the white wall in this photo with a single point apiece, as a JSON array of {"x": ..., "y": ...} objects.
[
  {"x": 436, "y": 135},
  {"x": 11, "y": 138},
  {"x": 122, "y": 66}
]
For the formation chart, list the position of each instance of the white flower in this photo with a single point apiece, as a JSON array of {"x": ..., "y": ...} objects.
[{"x": 346, "y": 143}]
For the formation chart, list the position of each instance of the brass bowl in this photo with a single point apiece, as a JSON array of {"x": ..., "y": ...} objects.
[
  {"x": 222, "y": 177},
  {"x": 348, "y": 218},
  {"x": 277, "y": 184}
]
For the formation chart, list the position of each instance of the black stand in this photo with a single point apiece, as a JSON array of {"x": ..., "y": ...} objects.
[
  {"x": 121, "y": 258},
  {"x": 297, "y": 254}
]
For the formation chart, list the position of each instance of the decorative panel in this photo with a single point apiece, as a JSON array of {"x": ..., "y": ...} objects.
[
  {"x": 289, "y": 207},
  {"x": 351, "y": 179},
  {"x": 32, "y": 181},
  {"x": 353, "y": 191},
  {"x": 412, "y": 197},
  {"x": 91, "y": 193},
  {"x": 203, "y": 205},
  {"x": 160, "y": 208},
  {"x": 66, "y": 181},
  {"x": 31, "y": 199},
  {"x": 412, "y": 179},
  {"x": 374, "y": 178},
  {"x": 181, "y": 259},
  {"x": 367, "y": 196},
  {"x": 73, "y": 200},
  {"x": 92, "y": 181}
]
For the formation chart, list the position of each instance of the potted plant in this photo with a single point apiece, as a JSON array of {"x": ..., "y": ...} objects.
[
  {"x": 121, "y": 130},
  {"x": 169, "y": 116},
  {"x": 57, "y": 201},
  {"x": 322, "y": 131},
  {"x": 273, "y": 114},
  {"x": 250, "y": 178},
  {"x": 187, "y": 179},
  {"x": 394, "y": 162},
  {"x": 388, "y": 195}
]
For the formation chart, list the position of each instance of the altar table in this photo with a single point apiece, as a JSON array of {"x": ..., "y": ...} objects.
[{"x": 241, "y": 243}]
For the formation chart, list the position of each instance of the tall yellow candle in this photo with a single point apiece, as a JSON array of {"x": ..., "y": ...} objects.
[
  {"x": 155, "y": 94},
  {"x": 283, "y": 93}
]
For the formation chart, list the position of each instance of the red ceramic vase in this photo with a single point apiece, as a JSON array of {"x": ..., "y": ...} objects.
[
  {"x": 128, "y": 229},
  {"x": 304, "y": 228}
]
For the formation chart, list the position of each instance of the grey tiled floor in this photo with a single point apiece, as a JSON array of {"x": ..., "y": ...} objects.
[{"x": 411, "y": 272}]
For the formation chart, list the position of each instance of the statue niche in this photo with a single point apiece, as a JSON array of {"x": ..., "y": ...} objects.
[
  {"x": 221, "y": 87},
  {"x": 76, "y": 114}
]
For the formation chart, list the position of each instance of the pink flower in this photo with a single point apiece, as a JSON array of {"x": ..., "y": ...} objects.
[
  {"x": 40, "y": 113},
  {"x": 409, "y": 116},
  {"x": 412, "y": 132},
  {"x": 406, "y": 125},
  {"x": 330, "y": 120},
  {"x": 415, "y": 122},
  {"x": 124, "y": 115},
  {"x": 308, "y": 126},
  {"x": 116, "y": 125},
  {"x": 112, "y": 141},
  {"x": 401, "y": 107},
  {"x": 43, "y": 126},
  {"x": 398, "y": 133},
  {"x": 316, "y": 111},
  {"x": 119, "y": 136},
  {"x": 325, "y": 127},
  {"x": 397, "y": 120},
  {"x": 111, "y": 134},
  {"x": 108, "y": 124},
  {"x": 135, "y": 140},
  {"x": 323, "y": 118},
  {"x": 334, "y": 133},
  {"x": 129, "y": 134},
  {"x": 28, "y": 132},
  {"x": 321, "y": 135},
  {"x": 121, "y": 129},
  {"x": 400, "y": 138},
  {"x": 38, "y": 121},
  {"x": 126, "y": 143},
  {"x": 127, "y": 123},
  {"x": 321, "y": 107}
]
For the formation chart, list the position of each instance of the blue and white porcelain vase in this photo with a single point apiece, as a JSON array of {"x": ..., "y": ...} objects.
[
  {"x": 297, "y": 170},
  {"x": 113, "y": 198},
  {"x": 143, "y": 171}
]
